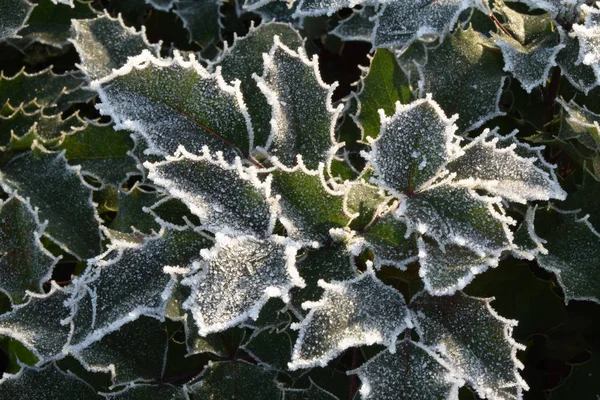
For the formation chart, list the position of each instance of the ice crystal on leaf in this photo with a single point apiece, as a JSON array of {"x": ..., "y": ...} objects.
[
  {"x": 589, "y": 38},
  {"x": 148, "y": 392},
  {"x": 474, "y": 341},
  {"x": 237, "y": 277},
  {"x": 361, "y": 311},
  {"x": 413, "y": 371}
]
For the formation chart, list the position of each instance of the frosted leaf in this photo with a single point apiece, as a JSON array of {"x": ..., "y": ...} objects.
[
  {"x": 148, "y": 392},
  {"x": 579, "y": 75},
  {"x": 65, "y": 2},
  {"x": 21, "y": 126},
  {"x": 280, "y": 11},
  {"x": 401, "y": 22},
  {"x": 228, "y": 380},
  {"x": 454, "y": 215},
  {"x": 201, "y": 19},
  {"x": 163, "y": 5},
  {"x": 555, "y": 7},
  {"x": 581, "y": 124},
  {"x": 531, "y": 63},
  {"x": 303, "y": 117},
  {"x": 473, "y": 88},
  {"x": 527, "y": 244},
  {"x": 105, "y": 43},
  {"x": 474, "y": 340},
  {"x": 411, "y": 60},
  {"x": 413, "y": 372},
  {"x": 361, "y": 311},
  {"x": 313, "y": 8},
  {"x": 389, "y": 241},
  {"x": 331, "y": 263},
  {"x": 226, "y": 198},
  {"x": 244, "y": 58},
  {"x": 589, "y": 39},
  {"x": 38, "y": 324},
  {"x": 129, "y": 281},
  {"x": 251, "y": 5},
  {"x": 364, "y": 202},
  {"x": 573, "y": 259},
  {"x": 500, "y": 171},
  {"x": 237, "y": 277},
  {"x": 383, "y": 86},
  {"x": 24, "y": 262},
  {"x": 135, "y": 352},
  {"x": 413, "y": 147},
  {"x": 44, "y": 383},
  {"x": 314, "y": 392},
  {"x": 176, "y": 102},
  {"x": 102, "y": 152},
  {"x": 14, "y": 14},
  {"x": 358, "y": 27},
  {"x": 73, "y": 221},
  {"x": 309, "y": 207},
  {"x": 45, "y": 87},
  {"x": 444, "y": 271},
  {"x": 132, "y": 214}
]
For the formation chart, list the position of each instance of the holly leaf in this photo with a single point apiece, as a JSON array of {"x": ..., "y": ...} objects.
[
  {"x": 24, "y": 262},
  {"x": 473, "y": 339},
  {"x": 236, "y": 279},
  {"x": 101, "y": 152},
  {"x": 15, "y": 13},
  {"x": 132, "y": 213},
  {"x": 358, "y": 27},
  {"x": 105, "y": 43},
  {"x": 401, "y": 22},
  {"x": 73, "y": 221},
  {"x": 114, "y": 353},
  {"x": 156, "y": 97},
  {"x": 588, "y": 36},
  {"x": 574, "y": 261},
  {"x": 389, "y": 240},
  {"x": 413, "y": 371},
  {"x": 250, "y": 48},
  {"x": 235, "y": 380},
  {"x": 361, "y": 311},
  {"x": 201, "y": 18},
  {"x": 163, "y": 5},
  {"x": 474, "y": 87},
  {"x": 500, "y": 170},
  {"x": 310, "y": 208},
  {"x": 51, "y": 24},
  {"x": 303, "y": 117},
  {"x": 313, "y": 8},
  {"x": 314, "y": 392},
  {"x": 532, "y": 51},
  {"x": 455, "y": 215},
  {"x": 270, "y": 347},
  {"x": 66, "y": 2},
  {"x": 44, "y": 88},
  {"x": 364, "y": 202},
  {"x": 130, "y": 280},
  {"x": 580, "y": 75},
  {"x": 46, "y": 382},
  {"x": 38, "y": 323},
  {"x": 384, "y": 85},
  {"x": 444, "y": 271},
  {"x": 414, "y": 146},
  {"x": 226, "y": 198}
]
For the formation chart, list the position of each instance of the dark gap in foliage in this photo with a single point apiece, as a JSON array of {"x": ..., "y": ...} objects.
[
  {"x": 62, "y": 274},
  {"x": 40, "y": 56},
  {"x": 3, "y": 362}
]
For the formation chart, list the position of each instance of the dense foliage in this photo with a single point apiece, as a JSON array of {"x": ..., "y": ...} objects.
[{"x": 209, "y": 199}]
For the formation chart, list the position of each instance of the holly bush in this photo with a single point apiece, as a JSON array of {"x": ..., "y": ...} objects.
[{"x": 299, "y": 199}]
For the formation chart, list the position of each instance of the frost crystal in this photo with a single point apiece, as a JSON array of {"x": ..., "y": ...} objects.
[
  {"x": 237, "y": 277},
  {"x": 361, "y": 311}
]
